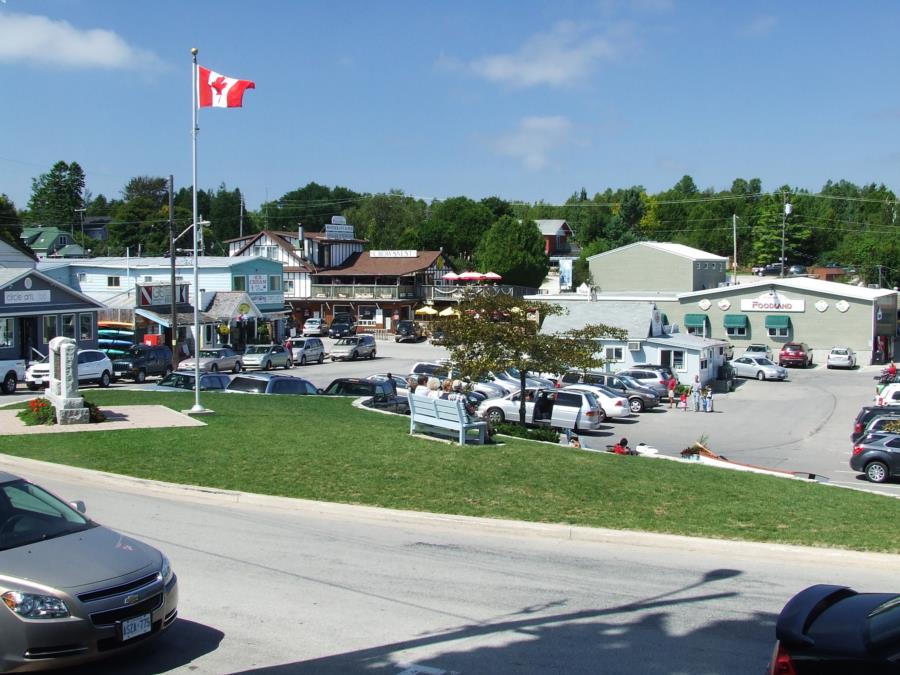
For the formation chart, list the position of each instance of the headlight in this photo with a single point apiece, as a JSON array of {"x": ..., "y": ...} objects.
[
  {"x": 33, "y": 606},
  {"x": 165, "y": 571}
]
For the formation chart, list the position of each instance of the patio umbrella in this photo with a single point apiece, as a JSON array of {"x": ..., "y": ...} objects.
[
  {"x": 450, "y": 276},
  {"x": 492, "y": 276},
  {"x": 428, "y": 310},
  {"x": 449, "y": 311},
  {"x": 471, "y": 276}
]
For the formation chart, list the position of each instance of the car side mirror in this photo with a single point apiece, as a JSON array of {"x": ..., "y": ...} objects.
[{"x": 78, "y": 506}]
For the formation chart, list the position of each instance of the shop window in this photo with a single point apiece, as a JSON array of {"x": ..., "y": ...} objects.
[
  {"x": 778, "y": 332},
  {"x": 367, "y": 313},
  {"x": 6, "y": 332},
  {"x": 113, "y": 282},
  {"x": 289, "y": 287},
  {"x": 613, "y": 354},
  {"x": 81, "y": 276},
  {"x": 50, "y": 327},
  {"x": 68, "y": 326},
  {"x": 736, "y": 331},
  {"x": 85, "y": 327},
  {"x": 239, "y": 283},
  {"x": 274, "y": 282},
  {"x": 704, "y": 364}
]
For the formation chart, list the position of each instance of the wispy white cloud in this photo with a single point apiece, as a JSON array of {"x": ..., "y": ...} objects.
[
  {"x": 29, "y": 38},
  {"x": 533, "y": 141},
  {"x": 562, "y": 57},
  {"x": 761, "y": 25}
]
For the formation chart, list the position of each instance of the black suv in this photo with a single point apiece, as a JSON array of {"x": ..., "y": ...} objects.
[
  {"x": 144, "y": 360},
  {"x": 408, "y": 331},
  {"x": 383, "y": 393},
  {"x": 341, "y": 329},
  {"x": 868, "y": 414}
]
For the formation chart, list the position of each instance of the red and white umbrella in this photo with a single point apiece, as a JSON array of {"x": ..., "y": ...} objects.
[
  {"x": 471, "y": 276},
  {"x": 450, "y": 276},
  {"x": 492, "y": 276}
]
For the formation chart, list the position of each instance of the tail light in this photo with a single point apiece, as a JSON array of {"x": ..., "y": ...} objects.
[
  {"x": 880, "y": 401},
  {"x": 619, "y": 404},
  {"x": 781, "y": 662},
  {"x": 591, "y": 413},
  {"x": 857, "y": 449}
]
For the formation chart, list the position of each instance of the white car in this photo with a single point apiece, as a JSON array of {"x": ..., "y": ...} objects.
[
  {"x": 890, "y": 395},
  {"x": 506, "y": 407},
  {"x": 315, "y": 327},
  {"x": 841, "y": 357},
  {"x": 612, "y": 403},
  {"x": 759, "y": 367},
  {"x": 759, "y": 350},
  {"x": 555, "y": 408},
  {"x": 93, "y": 366}
]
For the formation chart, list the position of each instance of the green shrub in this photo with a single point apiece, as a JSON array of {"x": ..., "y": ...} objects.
[
  {"x": 517, "y": 430},
  {"x": 38, "y": 411}
]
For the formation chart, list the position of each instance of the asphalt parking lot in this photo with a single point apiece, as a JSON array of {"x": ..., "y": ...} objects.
[{"x": 802, "y": 424}]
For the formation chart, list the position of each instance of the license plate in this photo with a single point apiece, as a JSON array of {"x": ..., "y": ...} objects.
[
  {"x": 119, "y": 373},
  {"x": 132, "y": 628}
]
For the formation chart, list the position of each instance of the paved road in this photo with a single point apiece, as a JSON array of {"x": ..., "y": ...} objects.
[{"x": 280, "y": 588}]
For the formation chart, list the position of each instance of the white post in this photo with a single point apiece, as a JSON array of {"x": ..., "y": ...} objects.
[
  {"x": 197, "y": 408},
  {"x": 734, "y": 259}
]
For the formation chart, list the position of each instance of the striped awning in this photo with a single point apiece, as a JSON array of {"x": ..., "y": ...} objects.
[
  {"x": 778, "y": 321},
  {"x": 735, "y": 321},
  {"x": 695, "y": 320}
]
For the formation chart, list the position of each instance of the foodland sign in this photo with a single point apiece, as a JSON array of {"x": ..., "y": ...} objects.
[{"x": 773, "y": 302}]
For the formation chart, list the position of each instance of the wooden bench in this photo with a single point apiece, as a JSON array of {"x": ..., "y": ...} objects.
[{"x": 436, "y": 412}]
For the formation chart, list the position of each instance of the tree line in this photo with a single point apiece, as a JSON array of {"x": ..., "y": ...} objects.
[{"x": 846, "y": 223}]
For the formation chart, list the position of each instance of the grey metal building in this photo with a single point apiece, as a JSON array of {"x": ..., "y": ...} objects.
[{"x": 656, "y": 266}]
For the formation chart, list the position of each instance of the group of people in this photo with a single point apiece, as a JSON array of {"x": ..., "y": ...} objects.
[
  {"x": 432, "y": 387},
  {"x": 701, "y": 397}
]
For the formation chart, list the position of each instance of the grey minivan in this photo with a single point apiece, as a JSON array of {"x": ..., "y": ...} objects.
[
  {"x": 307, "y": 350},
  {"x": 639, "y": 397}
]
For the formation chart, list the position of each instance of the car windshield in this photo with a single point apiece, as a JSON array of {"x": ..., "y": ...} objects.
[
  {"x": 210, "y": 353},
  {"x": 298, "y": 344},
  {"x": 630, "y": 382},
  {"x": 257, "y": 349},
  {"x": 350, "y": 389},
  {"x": 177, "y": 380},
  {"x": 250, "y": 384},
  {"x": 839, "y": 352},
  {"x": 28, "y": 514},
  {"x": 346, "y": 341},
  {"x": 764, "y": 362}
]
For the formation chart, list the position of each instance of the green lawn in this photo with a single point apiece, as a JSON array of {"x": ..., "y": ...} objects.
[{"x": 323, "y": 448}]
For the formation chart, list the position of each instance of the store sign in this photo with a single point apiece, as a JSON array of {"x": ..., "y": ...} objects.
[
  {"x": 25, "y": 297},
  {"x": 393, "y": 254},
  {"x": 267, "y": 298},
  {"x": 150, "y": 296},
  {"x": 773, "y": 302},
  {"x": 336, "y": 231},
  {"x": 258, "y": 283}
]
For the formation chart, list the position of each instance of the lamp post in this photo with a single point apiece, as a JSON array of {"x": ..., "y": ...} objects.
[{"x": 784, "y": 214}]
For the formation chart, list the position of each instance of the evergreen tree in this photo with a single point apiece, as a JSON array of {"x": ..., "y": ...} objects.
[
  {"x": 514, "y": 249},
  {"x": 56, "y": 195}
]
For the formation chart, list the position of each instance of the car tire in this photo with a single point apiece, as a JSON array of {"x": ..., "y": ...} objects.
[
  {"x": 237, "y": 367},
  {"x": 105, "y": 379},
  {"x": 353, "y": 356},
  {"x": 141, "y": 376},
  {"x": 828, "y": 367},
  {"x": 303, "y": 359},
  {"x": 372, "y": 355},
  {"x": 214, "y": 368},
  {"x": 877, "y": 472},
  {"x": 9, "y": 384},
  {"x": 168, "y": 371},
  {"x": 602, "y": 415},
  {"x": 333, "y": 359},
  {"x": 495, "y": 416},
  {"x": 636, "y": 405},
  {"x": 288, "y": 364},
  {"x": 267, "y": 365},
  {"x": 761, "y": 376}
]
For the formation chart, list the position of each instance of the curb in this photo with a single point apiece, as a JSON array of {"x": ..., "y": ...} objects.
[{"x": 511, "y": 528}]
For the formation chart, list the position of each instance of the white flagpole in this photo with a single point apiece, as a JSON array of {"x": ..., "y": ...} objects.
[{"x": 194, "y": 129}]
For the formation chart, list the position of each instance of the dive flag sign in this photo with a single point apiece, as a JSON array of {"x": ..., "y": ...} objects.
[{"x": 218, "y": 91}]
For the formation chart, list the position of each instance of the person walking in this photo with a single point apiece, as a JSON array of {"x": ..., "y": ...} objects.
[
  {"x": 672, "y": 385},
  {"x": 695, "y": 393},
  {"x": 709, "y": 399}
]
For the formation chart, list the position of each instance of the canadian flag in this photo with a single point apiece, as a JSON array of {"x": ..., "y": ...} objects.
[{"x": 218, "y": 91}]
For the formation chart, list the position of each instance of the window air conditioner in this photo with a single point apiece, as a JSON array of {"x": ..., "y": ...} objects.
[{"x": 634, "y": 346}]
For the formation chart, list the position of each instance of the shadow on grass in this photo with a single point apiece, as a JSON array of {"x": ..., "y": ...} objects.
[
  {"x": 636, "y": 637},
  {"x": 184, "y": 642}
]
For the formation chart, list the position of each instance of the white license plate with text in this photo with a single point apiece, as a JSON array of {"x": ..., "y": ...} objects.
[{"x": 139, "y": 625}]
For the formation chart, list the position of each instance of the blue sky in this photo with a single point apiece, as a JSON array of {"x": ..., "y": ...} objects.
[{"x": 525, "y": 100}]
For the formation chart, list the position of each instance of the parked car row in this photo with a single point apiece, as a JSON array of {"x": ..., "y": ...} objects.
[{"x": 876, "y": 442}]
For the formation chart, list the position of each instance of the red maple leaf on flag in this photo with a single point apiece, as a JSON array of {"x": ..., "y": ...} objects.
[{"x": 218, "y": 84}]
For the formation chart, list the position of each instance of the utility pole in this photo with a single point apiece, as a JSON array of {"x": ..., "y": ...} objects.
[
  {"x": 242, "y": 215},
  {"x": 81, "y": 211},
  {"x": 174, "y": 322},
  {"x": 784, "y": 214},
  {"x": 734, "y": 259}
]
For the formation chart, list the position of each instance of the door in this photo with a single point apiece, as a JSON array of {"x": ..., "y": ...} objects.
[
  {"x": 566, "y": 409},
  {"x": 665, "y": 358},
  {"x": 542, "y": 413},
  {"x": 27, "y": 337}
]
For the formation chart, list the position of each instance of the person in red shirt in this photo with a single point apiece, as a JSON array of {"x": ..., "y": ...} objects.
[
  {"x": 672, "y": 384},
  {"x": 892, "y": 369},
  {"x": 621, "y": 448}
]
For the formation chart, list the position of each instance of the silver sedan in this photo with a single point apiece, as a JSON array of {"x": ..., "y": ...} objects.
[
  {"x": 215, "y": 359},
  {"x": 759, "y": 367}
]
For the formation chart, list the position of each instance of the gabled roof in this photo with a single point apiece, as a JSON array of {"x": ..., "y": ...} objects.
[
  {"x": 181, "y": 263},
  {"x": 40, "y": 238},
  {"x": 226, "y": 305},
  {"x": 278, "y": 239},
  {"x": 551, "y": 226},
  {"x": 805, "y": 284},
  {"x": 635, "y": 318},
  {"x": 667, "y": 247},
  {"x": 9, "y": 276},
  {"x": 364, "y": 265}
]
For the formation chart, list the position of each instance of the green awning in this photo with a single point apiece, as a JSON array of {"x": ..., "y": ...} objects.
[
  {"x": 778, "y": 321},
  {"x": 695, "y": 320},
  {"x": 735, "y": 321}
]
